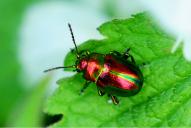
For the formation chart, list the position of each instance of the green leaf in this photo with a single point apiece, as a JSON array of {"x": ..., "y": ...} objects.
[
  {"x": 11, "y": 89},
  {"x": 164, "y": 99}
]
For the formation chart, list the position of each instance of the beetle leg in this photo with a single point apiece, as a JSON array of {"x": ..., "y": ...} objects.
[
  {"x": 115, "y": 100},
  {"x": 132, "y": 59},
  {"x": 126, "y": 55},
  {"x": 127, "y": 51},
  {"x": 84, "y": 87},
  {"x": 100, "y": 92}
]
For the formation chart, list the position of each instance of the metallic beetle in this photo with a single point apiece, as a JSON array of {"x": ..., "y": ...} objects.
[{"x": 114, "y": 73}]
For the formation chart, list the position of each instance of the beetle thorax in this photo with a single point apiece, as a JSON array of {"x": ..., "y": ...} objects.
[{"x": 91, "y": 68}]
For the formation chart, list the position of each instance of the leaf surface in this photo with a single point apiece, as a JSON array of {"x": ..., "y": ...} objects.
[{"x": 164, "y": 99}]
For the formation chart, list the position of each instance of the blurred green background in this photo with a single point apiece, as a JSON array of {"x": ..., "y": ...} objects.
[
  {"x": 20, "y": 104},
  {"x": 11, "y": 90}
]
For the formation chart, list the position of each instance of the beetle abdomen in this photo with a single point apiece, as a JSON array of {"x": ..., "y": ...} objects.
[{"x": 119, "y": 77}]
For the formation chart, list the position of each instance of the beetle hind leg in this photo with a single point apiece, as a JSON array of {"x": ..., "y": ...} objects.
[{"x": 115, "y": 100}]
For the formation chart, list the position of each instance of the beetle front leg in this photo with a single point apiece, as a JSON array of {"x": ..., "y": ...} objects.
[
  {"x": 115, "y": 100},
  {"x": 84, "y": 53},
  {"x": 84, "y": 87}
]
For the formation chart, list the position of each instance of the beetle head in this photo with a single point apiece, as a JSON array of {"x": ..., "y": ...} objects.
[{"x": 82, "y": 64}]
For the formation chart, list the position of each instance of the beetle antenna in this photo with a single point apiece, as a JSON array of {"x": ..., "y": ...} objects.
[
  {"x": 55, "y": 68},
  {"x": 73, "y": 39}
]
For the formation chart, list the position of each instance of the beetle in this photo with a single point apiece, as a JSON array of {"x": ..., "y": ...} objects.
[{"x": 114, "y": 73}]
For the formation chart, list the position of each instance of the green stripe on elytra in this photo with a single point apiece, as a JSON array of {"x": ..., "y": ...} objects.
[
  {"x": 99, "y": 73},
  {"x": 125, "y": 76}
]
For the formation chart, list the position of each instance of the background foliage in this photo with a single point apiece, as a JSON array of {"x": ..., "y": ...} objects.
[{"x": 10, "y": 89}]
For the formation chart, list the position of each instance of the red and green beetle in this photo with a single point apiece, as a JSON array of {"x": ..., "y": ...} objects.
[{"x": 114, "y": 73}]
